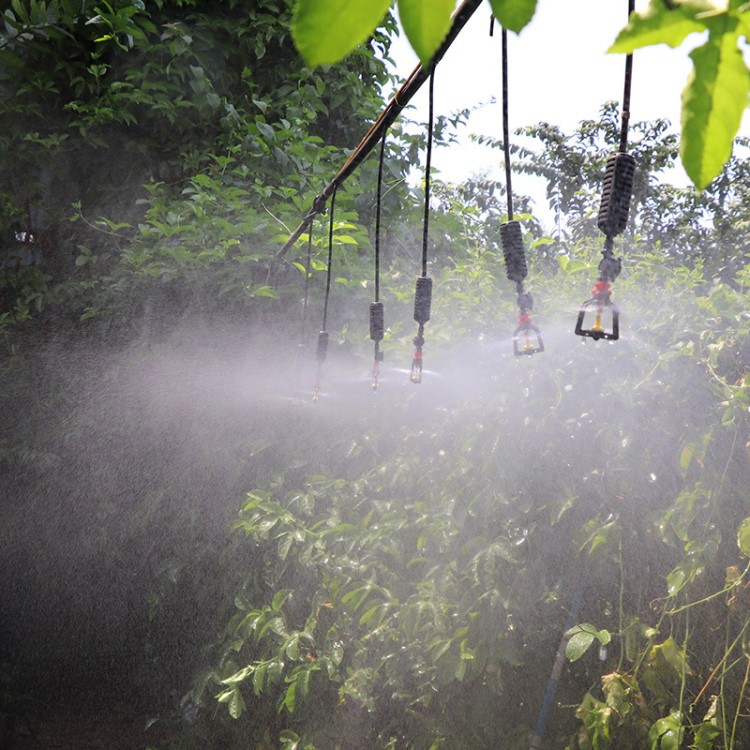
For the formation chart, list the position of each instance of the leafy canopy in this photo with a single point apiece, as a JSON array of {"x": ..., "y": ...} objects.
[{"x": 713, "y": 101}]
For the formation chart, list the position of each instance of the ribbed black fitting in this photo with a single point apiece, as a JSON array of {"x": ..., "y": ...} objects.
[
  {"x": 609, "y": 268},
  {"x": 377, "y": 323},
  {"x": 322, "y": 346},
  {"x": 525, "y": 302},
  {"x": 513, "y": 251},
  {"x": 423, "y": 299},
  {"x": 616, "y": 193}
]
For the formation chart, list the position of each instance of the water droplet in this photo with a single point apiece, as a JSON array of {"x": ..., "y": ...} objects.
[
  {"x": 568, "y": 387},
  {"x": 526, "y": 392},
  {"x": 652, "y": 477}
]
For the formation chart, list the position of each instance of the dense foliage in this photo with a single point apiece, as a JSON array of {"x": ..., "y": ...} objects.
[{"x": 401, "y": 566}]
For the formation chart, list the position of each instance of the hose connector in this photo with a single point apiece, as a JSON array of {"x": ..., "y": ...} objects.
[{"x": 606, "y": 316}]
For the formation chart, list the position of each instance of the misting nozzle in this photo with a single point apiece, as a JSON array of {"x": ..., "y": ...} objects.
[
  {"x": 606, "y": 323},
  {"x": 527, "y": 338},
  {"x": 416, "y": 368}
]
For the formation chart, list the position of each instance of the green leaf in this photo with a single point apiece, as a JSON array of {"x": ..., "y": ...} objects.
[
  {"x": 686, "y": 456},
  {"x": 659, "y": 24},
  {"x": 513, "y": 14},
  {"x": 578, "y": 645},
  {"x": 279, "y": 598},
  {"x": 666, "y": 733},
  {"x": 580, "y": 638},
  {"x": 290, "y": 698},
  {"x": 233, "y": 699},
  {"x": 712, "y": 106},
  {"x": 743, "y": 537},
  {"x": 325, "y": 32},
  {"x": 426, "y": 23}
]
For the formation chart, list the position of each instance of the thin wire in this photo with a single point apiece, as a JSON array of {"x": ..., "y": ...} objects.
[
  {"x": 303, "y": 329},
  {"x": 506, "y": 129},
  {"x": 426, "y": 221},
  {"x": 626, "y": 93},
  {"x": 378, "y": 206},
  {"x": 330, "y": 258}
]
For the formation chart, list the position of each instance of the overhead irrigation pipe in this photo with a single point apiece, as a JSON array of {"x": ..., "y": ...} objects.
[{"x": 387, "y": 117}]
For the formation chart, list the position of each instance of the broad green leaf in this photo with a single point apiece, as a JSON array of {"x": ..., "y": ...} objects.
[
  {"x": 290, "y": 698},
  {"x": 236, "y": 705},
  {"x": 659, "y": 24},
  {"x": 712, "y": 106},
  {"x": 425, "y": 22},
  {"x": 578, "y": 645},
  {"x": 325, "y": 32},
  {"x": 580, "y": 638},
  {"x": 666, "y": 733},
  {"x": 744, "y": 22},
  {"x": 233, "y": 699},
  {"x": 513, "y": 14},
  {"x": 743, "y": 537}
]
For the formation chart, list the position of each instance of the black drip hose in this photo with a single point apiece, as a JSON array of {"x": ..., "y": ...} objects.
[
  {"x": 378, "y": 206},
  {"x": 426, "y": 221},
  {"x": 625, "y": 123},
  {"x": 306, "y": 298},
  {"x": 506, "y": 129},
  {"x": 330, "y": 259}
]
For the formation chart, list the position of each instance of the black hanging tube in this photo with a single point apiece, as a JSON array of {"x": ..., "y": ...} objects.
[
  {"x": 305, "y": 300},
  {"x": 303, "y": 318},
  {"x": 527, "y": 338},
  {"x": 617, "y": 190},
  {"x": 322, "y": 350},
  {"x": 377, "y": 321},
  {"x": 423, "y": 290},
  {"x": 427, "y": 175},
  {"x": 506, "y": 126}
]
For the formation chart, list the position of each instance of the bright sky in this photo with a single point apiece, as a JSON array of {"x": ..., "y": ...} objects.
[{"x": 559, "y": 72}]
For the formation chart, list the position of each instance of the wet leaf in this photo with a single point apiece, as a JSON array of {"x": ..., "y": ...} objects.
[
  {"x": 666, "y": 733},
  {"x": 233, "y": 699},
  {"x": 581, "y": 637},
  {"x": 743, "y": 537}
]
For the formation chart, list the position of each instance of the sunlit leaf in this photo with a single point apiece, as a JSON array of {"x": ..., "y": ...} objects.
[
  {"x": 235, "y": 702},
  {"x": 325, "y": 32},
  {"x": 425, "y": 22},
  {"x": 712, "y": 106},
  {"x": 660, "y": 24},
  {"x": 513, "y": 14}
]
